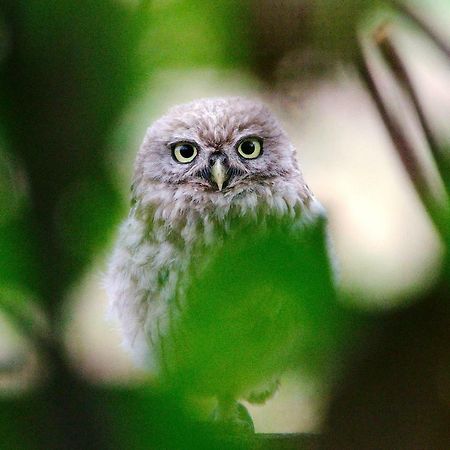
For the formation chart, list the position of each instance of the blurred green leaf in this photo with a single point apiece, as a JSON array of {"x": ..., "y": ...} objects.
[
  {"x": 18, "y": 254},
  {"x": 25, "y": 313},
  {"x": 86, "y": 215},
  {"x": 265, "y": 303},
  {"x": 4, "y": 39},
  {"x": 73, "y": 69},
  {"x": 199, "y": 33},
  {"x": 141, "y": 417},
  {"x": 445, "y": 219},
  {"x": 126, "y": 418},
  {"x": 12, "y": 181},
  {"x": 18, "y": 415}
]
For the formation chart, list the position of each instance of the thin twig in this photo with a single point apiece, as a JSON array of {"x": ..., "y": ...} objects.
[
  {"x": 395, "y": 62},
  {"x": 423, "y": 25},
  {"x": 402, "y": 144}
]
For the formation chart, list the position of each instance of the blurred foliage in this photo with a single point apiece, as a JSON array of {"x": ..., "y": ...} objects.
[
  {"x": 197, "y": 33},
  {"x": 275, "y": 309},
  {"x": 68, "y": 70},
  {"x": 65, "y": 85},
  {"x": 128, "y": 418}
]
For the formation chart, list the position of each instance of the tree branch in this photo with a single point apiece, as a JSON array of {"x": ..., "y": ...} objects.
[
  {"x": 402, "y": 144},
  {"x": 395, "y": 62}
]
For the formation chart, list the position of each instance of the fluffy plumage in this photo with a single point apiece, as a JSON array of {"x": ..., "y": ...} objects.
[{"x": 178, "y": 210}]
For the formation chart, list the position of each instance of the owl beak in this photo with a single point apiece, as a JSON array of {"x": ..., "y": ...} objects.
[{"x": 219, "y": 174}]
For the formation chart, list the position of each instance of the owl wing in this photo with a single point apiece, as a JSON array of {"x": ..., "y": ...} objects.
[{"x": 140, "y": 283}]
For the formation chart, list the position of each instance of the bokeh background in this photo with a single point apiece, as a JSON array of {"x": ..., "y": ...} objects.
[{"x": 363, "y": 89}]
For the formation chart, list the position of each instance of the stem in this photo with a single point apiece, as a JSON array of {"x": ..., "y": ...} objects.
[
  {"x": 402, "y": 144},
  {"x": 397, "y": 66}
]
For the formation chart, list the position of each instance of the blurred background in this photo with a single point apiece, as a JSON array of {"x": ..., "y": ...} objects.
[{"x": 362, "y": 88}]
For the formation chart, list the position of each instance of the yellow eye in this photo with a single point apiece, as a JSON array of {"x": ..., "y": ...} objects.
[
  {"x": 184, "y": 152},
  {"x": 250, "y": 148}
]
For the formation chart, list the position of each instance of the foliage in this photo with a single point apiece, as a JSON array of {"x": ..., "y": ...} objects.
[
  {"x": 264, "y": 304},
  {"x": 68, "y": 70}
]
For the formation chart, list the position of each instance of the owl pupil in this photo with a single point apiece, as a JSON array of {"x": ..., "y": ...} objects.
[
  {"x": 186, "y": 151},
  {"x": 248, "y": 147}
]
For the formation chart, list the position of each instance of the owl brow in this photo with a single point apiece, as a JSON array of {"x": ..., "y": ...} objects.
[
  {"x": 175, "y": 142},
  {"x": 274, "y": 137},
  {"x": 250, "y": 136}
]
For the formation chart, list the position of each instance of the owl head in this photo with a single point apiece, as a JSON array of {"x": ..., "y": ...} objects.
[{"x": 215, "y": 146}]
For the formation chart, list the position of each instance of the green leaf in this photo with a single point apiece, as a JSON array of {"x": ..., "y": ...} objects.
[
  {"x": 123, "y": 418},
  {"x": 87, "y": 213},
  {"x": 264, "y": 303},
  {"x": 24, "y": 312},
  {"x": 18, "y": 254}
]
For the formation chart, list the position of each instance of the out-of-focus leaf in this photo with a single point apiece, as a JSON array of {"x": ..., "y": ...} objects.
[
  {"x": 445, "y": 161},
  {"x": 4, "y": 39},
  {"x": 74, "y": 67},
  {"x": 140, "y": 418},
  {"x": 88, "y": 210},
  {"x": 18, "y": 254},
  {"x": 135, "y": 418},
  {"x": 24, "y": 312},
  {"x": 12, "y": 180},
  {"x": 265, "y": 303},
  {"x": 445, "y": 170},
  {"x": 18, "y": 427},
  {"x": 199, "y": 33}
]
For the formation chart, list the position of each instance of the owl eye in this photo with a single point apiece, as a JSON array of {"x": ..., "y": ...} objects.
[
  {"x": 250, "y": 148},
  {"x": 184, "y": 152}
]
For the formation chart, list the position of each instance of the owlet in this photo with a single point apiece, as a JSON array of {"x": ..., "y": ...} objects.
[{"x": 203, "y": 169}]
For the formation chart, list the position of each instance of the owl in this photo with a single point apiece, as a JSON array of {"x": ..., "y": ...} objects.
[{"x": 203, "y": 170}]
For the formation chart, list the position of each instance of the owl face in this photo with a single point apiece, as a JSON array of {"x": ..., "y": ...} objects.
[{"x": 215, "y": 145}]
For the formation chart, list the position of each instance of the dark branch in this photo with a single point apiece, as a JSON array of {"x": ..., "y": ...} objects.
[
  {"x": 402, "y": 144},
  {"x": 397, "y": 66}
]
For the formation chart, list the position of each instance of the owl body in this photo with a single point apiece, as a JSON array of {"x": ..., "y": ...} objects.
[{"x": 184, "y": 210}]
